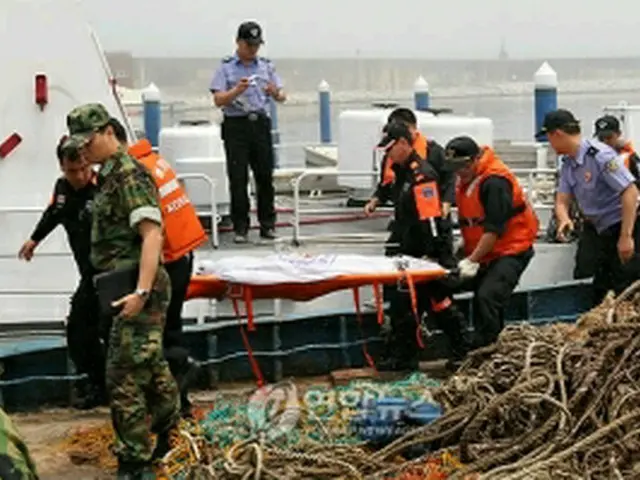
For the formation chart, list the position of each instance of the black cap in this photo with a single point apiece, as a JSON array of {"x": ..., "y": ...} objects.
[
  {"x": 393, "y": 132},
  {"x": 557, "y": 120},
  {"x": 251, "y": 33},
  {"x": 460, "y": 151},
  {"x": 607, "y": 126}
]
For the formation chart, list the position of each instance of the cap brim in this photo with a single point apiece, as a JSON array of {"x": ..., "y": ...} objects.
[
  {"x": 253, "y": 41},
  {"x": 78, "y": 140},
  {"x": 541, "y": 134},
  {"x": 386, "y": 143},
  {"x": 457, "y": 163}
]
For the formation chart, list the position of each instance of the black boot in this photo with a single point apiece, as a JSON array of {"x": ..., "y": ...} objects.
[
  {"x": 135, "y": 471},
  {"x": 163, "y": 446},
  {"x": 89, "y": 396}
]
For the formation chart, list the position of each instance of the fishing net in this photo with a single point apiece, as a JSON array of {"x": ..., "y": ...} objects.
[{"x": 216, "y": 441}]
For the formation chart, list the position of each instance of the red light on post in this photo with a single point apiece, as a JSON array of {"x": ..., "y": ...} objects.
[
  {"x": 42, "y": 91},
  {"x": 9, "y": 145}
]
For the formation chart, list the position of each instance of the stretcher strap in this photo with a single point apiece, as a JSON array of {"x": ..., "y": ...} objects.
[
  {"x": 365, "y": 349},
  {"x": 255, "y": 367},
  {"x": 414, "y": 307},
  {"x": 377, "y": 295}
]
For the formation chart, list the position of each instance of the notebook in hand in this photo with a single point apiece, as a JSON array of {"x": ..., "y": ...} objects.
[{"x": 113, "y": 285}]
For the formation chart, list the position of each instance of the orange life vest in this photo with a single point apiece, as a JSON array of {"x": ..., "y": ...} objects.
[
  {"x": 419, "y": 145},
  {"x": 183, "y": 231},
  {"x": 521, "y": 229},
  {"x": 626, "y": 151}
]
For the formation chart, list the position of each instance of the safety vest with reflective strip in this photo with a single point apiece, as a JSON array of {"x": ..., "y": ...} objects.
[{"x": 183, "y": 231}]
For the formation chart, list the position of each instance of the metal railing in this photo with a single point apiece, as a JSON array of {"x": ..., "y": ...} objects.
[
  {"x": 298, "y": 210},
  {"x": 215, "y": 218}
]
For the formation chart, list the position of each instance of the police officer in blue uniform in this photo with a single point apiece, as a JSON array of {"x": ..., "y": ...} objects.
[
  {"x": 605, "y": 191},
  {"x": 243, "y": 85}
]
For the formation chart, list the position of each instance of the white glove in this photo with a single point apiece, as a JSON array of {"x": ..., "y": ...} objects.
[{"x": 468, "y": 269}]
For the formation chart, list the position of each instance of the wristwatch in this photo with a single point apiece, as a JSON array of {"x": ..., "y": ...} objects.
[{"x": 142, "y": 293}]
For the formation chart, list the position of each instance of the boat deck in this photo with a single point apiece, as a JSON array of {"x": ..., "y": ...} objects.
[{"x": 292, "y": 338}]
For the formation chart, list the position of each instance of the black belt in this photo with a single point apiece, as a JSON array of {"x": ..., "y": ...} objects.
[{"x": 251, "y": 116}]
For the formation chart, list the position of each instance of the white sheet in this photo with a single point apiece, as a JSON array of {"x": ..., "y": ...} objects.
[{"x": 297, "y": 268}]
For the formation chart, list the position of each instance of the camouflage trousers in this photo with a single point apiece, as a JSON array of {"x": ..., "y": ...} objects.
[
  {"x": 139, "y": 381},
  {"x": 15, "y": 460}
]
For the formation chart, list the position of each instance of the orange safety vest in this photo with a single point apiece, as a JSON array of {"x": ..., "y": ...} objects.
[
  {"x": 419, "y": 145},
  {"x": 627, "y": 150},
  {"x": 521, "y": 229},
  {"x": 183, "y": 231}
]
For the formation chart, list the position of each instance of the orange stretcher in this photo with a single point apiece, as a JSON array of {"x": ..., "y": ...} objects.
[{"x": 210, "y": 286}]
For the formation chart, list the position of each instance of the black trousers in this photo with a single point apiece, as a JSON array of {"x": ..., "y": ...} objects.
[
  {"x": 587, "y": 250},
  {"x": 609, "y": 272},
  {"x": 434, "y": 298},
  {"x": 492, "y": 288},
  {"x": 430, "y": 296},
  {"x": 180, "y": 274},
  {"x": 85, "y": 336},
  {"x": 248, "y": 143}
]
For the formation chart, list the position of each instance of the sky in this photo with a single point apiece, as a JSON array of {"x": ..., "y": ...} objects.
[{"x": 374, "y": 28}]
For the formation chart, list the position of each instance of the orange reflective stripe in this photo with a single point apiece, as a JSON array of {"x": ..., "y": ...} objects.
[
  {"x": 441, "y": 305},
  {"x": 427, "y": 200}
]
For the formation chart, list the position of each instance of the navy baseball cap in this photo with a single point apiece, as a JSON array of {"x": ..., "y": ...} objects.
[
  {"x": 251, "y": 33},
  {"x": 557, "y": 120},
  {"x": 392, "y": 132},
  {"x": 461, "y": 151},
  {"x": 606, "y": 126}
]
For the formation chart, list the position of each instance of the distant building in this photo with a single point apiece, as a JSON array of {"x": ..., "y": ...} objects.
[{"x": 123, "y": 67}]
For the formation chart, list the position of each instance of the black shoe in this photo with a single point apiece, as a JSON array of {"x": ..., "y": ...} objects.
[
  {"x": 162, "y": 446},
  {"x": 395, "y": 364},
  {"x": 240, "y": 238},
  {"x": 268, "y": 234},
  {"x": 185, "y": 406}
]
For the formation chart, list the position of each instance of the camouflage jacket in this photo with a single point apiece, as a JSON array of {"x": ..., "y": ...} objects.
[{"x": 126, "y": 195}]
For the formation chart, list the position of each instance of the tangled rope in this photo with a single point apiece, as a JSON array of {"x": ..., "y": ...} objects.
[
  {"x": 543, "y": 402},
  {"x": 553, "y": 402}
]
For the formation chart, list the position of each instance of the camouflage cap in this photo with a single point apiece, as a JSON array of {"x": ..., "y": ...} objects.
[{"x": 84, "y": 121}]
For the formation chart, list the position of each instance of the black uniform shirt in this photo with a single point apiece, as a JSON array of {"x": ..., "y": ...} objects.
[
  {"x": 496, "y": 195},
  {"x": 72, "y": 209},
  {"x": 417, "y": 236}
]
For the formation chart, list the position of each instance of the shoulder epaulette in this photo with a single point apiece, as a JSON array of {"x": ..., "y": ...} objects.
[
  {"x": 592, "y": 151},
  {"x": 227, "y": 59},
  {"x": 264, "y": 59}
]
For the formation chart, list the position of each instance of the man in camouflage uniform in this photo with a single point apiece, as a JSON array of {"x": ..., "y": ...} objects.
[
  {"x": 15, "y": 461},
  {"x": 127, "y": 232}
]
